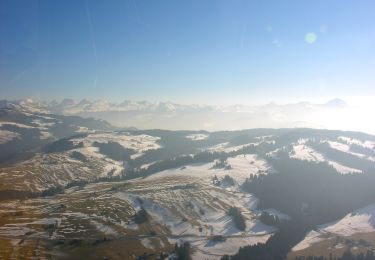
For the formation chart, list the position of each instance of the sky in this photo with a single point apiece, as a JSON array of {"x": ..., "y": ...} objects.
[{"x": 188, "y": 51}]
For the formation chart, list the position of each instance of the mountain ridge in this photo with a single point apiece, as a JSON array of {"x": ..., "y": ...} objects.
[{"x": 143, "y": 114}]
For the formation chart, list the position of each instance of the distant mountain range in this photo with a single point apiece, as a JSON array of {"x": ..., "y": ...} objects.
[
  {"x": 72, "y": 107},
  {"x": 173, "y": 116}
]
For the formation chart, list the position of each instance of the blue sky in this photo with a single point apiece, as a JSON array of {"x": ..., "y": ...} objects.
[{"x": 187, "y": 51}]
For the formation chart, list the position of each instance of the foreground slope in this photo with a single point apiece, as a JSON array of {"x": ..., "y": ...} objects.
[{"x": 119, "y": 194}]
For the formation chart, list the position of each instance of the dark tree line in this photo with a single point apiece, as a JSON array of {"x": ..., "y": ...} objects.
[
  {"x": 237, "y": 217},
  {"x": 114, "y": 151},
  {"x": 78, "y": 156},
  {"x": 141, "y": 216},
  {"x": 52, "y": 191},
  {"x": 227, "y": 180},
  {"x": 268, "y": 219},
  {"x": 363, "y": 150},
  {"x": 183, "y": 252},
  {"x": 61, "y": 145},
  {"x": 276, "y": 247},
  {"x": 348, "y": 255}
]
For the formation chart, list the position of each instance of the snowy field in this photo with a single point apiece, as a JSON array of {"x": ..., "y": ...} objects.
[
  {"x": 364, "y": 144},
  {"x": 187, "y": 203},
  {"x": 197, "y": 137},
  {"x": 241, "y": 167},
  {"x": 6, "y": 136},
  {"x": 138, "y": 143},
  {"x": 346, "y": 149},
  {"x": 19, "y": 125},
  {"x": 227, "y": 148},
  {"x": 44, "y": 171}
]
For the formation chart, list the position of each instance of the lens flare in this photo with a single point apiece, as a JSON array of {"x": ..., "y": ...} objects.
[{"x": 311, "y": 37}]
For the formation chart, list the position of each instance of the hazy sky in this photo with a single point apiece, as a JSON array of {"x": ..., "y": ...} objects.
[{"x": 187, "y": 51}]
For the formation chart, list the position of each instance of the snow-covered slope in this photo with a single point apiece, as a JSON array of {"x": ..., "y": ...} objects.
[
  {"x": 359, "y": 221},
  {"x": 24, "y": 128},
  {"x": 304, "y": 152}
]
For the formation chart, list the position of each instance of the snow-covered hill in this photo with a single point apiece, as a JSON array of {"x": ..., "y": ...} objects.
[
  {"x": 26, "y": 125},
  {"x": 357, "y": 222}
]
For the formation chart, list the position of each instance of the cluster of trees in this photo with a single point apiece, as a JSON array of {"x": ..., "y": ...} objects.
[
  {"x": 369, "y": 255},
  {"x": 76, "y": 183},
  {"x": 237, "y": 217},
  {"x": 254, "y": 252},
  {"x": 52, "y": 191},
  {"x": 276, "y": 247},
  {"x": 114, "y": 151},
  {"x": 222, "y": 163},
  {"x": 141, "y": 216},
  {"x": 363, "y": 150},
  {"x": 78, "y": 156},
  {"x": 175, "y": 162},
  {"x": 216, "y": 181},
  {"x": 268, "y": 219},
  {"x": 62, "y": 145},
  {"x": 252, "y": 177},
  {"x": 218, "y": 238},
  {"x": 227, "y": 180},
  {"x": 183, "y": 252}
]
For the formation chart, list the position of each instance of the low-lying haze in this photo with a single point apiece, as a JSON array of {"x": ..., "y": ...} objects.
[{"x": 333, "y": 114}]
